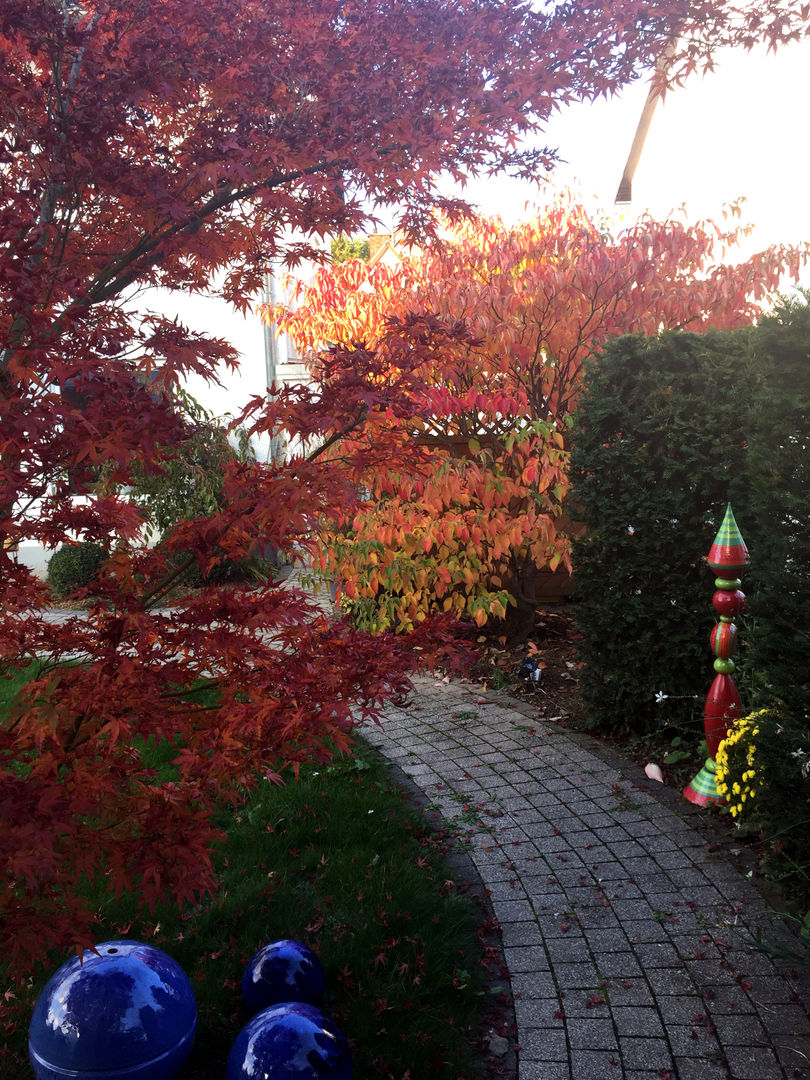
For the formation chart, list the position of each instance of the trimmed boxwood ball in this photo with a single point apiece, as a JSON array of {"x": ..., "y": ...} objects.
[
  {"x": 72, "y": 566},
  {"x": 284, "y": 970},
  {"x": 291, "y": 1041},
  {"x": 125, "y": 1011}
]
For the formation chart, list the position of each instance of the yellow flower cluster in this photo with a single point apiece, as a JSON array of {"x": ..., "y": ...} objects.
[{"x": 743, "y": 786}]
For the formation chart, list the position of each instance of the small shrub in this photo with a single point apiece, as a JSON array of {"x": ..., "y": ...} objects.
[
  {"x": 763, "y": 770},
  {"x": 250, "y": 570},
  {"x": 73, "y": 566}
]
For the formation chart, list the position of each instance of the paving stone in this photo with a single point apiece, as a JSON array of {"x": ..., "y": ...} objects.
[
  {"x": 786, "y": 1020},
  {"x": 706, "y": 898},
  {"x": 607, "y": 870},
  {"x": 692, "y": 1040},
  {"x": 535, "y": 1011},
  {"x": 667, "y": 981},
  {"x": 581, "y": 975},
  {"x": 532, "y": 1069},
  {"x": 740, "y": 1030},
  {"x": 663, "y": 901},
  {"x": 644, "y": 828},
  {"x": 535, "y": 983},
  {"x": 493, "y": 869},
  {"x": 591, "y": 1034},
  {"x": 598, "y": 821},
  {"x": 706, "y": 972},
  {"x": 627, "y": 849},
  {"x": 727, "y": 999},
  {"x": 752, "y": 1063},
  {"x": 632, "y": 909},
  {"x": 770, "y": 991},
  {"x": 601, "y": 917},
  {"x": 595, "y": 1065},
  {"x": 612, "y": 834},
  {"x": 521, "y": 933},
  {"x": 637, "y": 1021},
  {"x": 606, "y": 941},
  {"x": 652, "y": 1054},
  {"x": 793, "y": 1054},
  {"x": 687, "y": 1068},
  {"x": 579, "y": 1004},
  {"x": 657, "y": 954},
  {"x": 558, "y": 925},
  {"x": 544, "y": 1042},
  {"x": 546, "y": 844},
  {"x": 512, "y": 889},
  {"x": 631, "y": 992},
  {"x": 568, "y": 950},
  {"x": 619, "y": 964},
  {"x": 520, "y": 959},
  {"x": 749, "y": 963},
  {"x": 687, "y": 877},
  {"x": 512, "y": 911},
  {"x": 646, "y": 930}
]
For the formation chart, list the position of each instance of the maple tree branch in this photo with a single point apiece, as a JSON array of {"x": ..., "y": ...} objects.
[
  {"x": 108, "y": 283},
  {"x": 162, "y": 587},
  {"x": 336, "y": 436}
]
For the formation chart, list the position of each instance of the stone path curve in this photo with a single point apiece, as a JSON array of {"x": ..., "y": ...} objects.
[{"x": 630, "y": 947}]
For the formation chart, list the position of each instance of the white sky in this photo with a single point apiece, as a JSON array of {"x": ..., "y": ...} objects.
[{"x": 740, "y": 131}]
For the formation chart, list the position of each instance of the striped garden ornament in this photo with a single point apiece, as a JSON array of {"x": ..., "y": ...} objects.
[
  {"x": 722, "y": 709},
  {"x": 728, "y": 557},
  {"x": 723, "y": 639}
]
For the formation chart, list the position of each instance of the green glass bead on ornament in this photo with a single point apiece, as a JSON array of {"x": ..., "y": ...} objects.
[
  {"x": 727, "y": 583},
  {"x": 724, "y": 667}
]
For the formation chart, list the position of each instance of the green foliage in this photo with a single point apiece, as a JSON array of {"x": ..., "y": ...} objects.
[
  {"x": 188, "y": 485},
  {"x": 778, "y": 473},
  {"x": 657, "y": 453},
  {"x": 73, "y": 566},
  {"x": 668, "y": 431},
  {"x": 764, "y": 773},
  {"x": 188, "y": 482},
  {"x": 252, "y": 569},
  {"x": 350, "y": 247}
]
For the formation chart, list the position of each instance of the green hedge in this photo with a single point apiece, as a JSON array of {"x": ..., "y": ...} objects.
[
  {"x": 73, "y": 566},
  {"x": 668, "y": 431}
]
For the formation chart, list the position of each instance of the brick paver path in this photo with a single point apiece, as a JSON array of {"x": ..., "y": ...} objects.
[{"x": 628, "y": 944}]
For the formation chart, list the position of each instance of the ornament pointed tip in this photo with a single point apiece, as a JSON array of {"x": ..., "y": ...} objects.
[{"x": 728, "y": 552}]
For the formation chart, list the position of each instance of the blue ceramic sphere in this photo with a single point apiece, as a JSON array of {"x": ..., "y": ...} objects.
[
  {"x": 291, "y": 1041},
  {"x": 127, "y": 1011},
  {"x": 284, "y": 970}
]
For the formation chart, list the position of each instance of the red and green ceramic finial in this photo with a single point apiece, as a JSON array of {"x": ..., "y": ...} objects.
[{"x": 728, "y": 557}]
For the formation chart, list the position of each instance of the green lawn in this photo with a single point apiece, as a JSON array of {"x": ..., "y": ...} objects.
[{"x": 340, "y": 861}]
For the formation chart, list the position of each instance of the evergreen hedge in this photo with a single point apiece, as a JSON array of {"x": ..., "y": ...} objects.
[
  {"x": 669, "y": 430},
  {"x": 73, "y": 566}
]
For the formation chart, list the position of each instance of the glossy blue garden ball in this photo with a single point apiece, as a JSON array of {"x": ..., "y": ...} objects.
[
  {"x": 124, "y": 1012},
  {"x": 284, "y": 970},
  {"x": 290, "y": 1041}
]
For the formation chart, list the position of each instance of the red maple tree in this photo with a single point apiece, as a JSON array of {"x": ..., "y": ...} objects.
[{"x": 177, "y": 144}]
